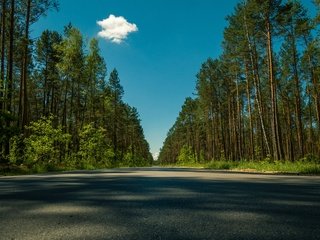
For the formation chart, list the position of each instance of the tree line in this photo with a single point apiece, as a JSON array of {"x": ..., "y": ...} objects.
[
  {"x": 57, "y": 107},
  {"x": 261, "y": 98}
]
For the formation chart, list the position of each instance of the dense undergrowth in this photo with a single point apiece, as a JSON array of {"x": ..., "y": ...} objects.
[
  {"x": 266, "y": 166},
  {"x": 297, "y": 167},
  {"x": 48, "y": 148}
]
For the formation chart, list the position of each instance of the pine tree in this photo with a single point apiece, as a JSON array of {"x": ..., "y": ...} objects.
[{"x": 116, "y": 93}]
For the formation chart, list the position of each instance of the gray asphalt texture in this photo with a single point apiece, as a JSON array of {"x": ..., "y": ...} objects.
[{"x": 159, "y": 203}]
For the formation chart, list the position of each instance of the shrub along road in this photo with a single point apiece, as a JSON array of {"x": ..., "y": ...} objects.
[{"x": 159, "y": 203}]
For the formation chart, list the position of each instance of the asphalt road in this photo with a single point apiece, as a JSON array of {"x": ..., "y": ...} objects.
[{"x": 159, "y": 203}]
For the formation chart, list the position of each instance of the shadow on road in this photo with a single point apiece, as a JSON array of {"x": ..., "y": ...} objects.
[{"x": 120, "y": 205}]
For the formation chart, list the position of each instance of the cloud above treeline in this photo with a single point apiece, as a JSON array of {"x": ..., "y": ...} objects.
[
  {"x": 155, "y": 155},
  {"x": 116, "y": 29}
]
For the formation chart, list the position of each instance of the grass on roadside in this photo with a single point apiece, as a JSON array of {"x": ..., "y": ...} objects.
[
  {"x": 298, "y": 167},
  {"x": 266, "y": 166},
  {"x": 186, "y": 165}
]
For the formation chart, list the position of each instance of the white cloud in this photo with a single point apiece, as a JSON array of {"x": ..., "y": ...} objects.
[
  {"x": 116, "y": 29},
  {"x": 155, "y": 155}
]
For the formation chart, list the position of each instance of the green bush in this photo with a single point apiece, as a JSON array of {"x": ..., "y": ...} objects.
[
  {"x": 94, "y": 148},
  {"x": 311, "y": 158},
  {"x": 41, "y": 147},
  {"x": 132, "y": 160},
  {"x": 220, "y": 165},
  {"x": 16, "y": 155},
  {"x": 186, "y": 155},
  {"x": 301, "y": 166}
]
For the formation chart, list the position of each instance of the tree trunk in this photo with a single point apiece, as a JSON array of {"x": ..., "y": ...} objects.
[
  {"x": 256, "y": 81},
  {"x": 114, "y": 130},
  {"x": 3, "y": 43},
  {"x": 45, "y": 89},
  {"x": 316, "y": 94},
  {"x": 223, "y": 134},
  {"x": 311, "y": 141},
  {"x": 2, "y": 67},
  {"x": 251, "y": 139},
  {"x": 275, "y": 131},
  {"x": 298, "y": 111},
  {"x": 23, "y": 103},
  {"x": 238, "y": 121},
  {"x": 289, "y": 154},
  {"x": 10, "y": 69}
]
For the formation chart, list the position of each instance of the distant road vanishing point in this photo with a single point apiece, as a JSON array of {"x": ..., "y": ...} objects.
[{"x": 159, "y": 203}]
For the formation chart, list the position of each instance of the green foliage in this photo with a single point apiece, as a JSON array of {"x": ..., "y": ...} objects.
[
  {"x": 115, "y": 86},
  {"x": 186, "y": 155},
  {"x": 310, "y": 158},
  {"x": 220, "y": 165},
  {"x": 45, "y": 141},
  {"x": 302, "y": 167},
  {"x": 129, "y": 160},
  {"x": 16, "y": 155},
  {"x": 64, "y": 78},
  {"x": 42, "y": 146},
  {"x": 256, "y": 100},
  {"x": 70, "y": 162},
  {"x": 6, "y": 132},
  {"x": 132, "y": 160},
  {"x": 94, "y": 147}
]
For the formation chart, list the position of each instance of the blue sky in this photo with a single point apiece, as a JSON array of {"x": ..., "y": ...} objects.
[{"x": 158, "y": 63}]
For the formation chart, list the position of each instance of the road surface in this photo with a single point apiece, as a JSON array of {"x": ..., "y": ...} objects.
[{"x": 159, "y": 203}]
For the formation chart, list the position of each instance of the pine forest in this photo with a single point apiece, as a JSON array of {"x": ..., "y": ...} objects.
[
  {"x": 260, "y": 99},
  {"x": 58, "y": 107}
]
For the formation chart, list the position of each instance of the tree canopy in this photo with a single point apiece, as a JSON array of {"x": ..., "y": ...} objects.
[
  {"x": 57, "y": 106},
  {"x": 260, "y": 99}
]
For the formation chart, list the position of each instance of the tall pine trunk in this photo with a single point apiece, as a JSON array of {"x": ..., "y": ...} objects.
[
  {"x": 238, "y": 121},
  {"x": 23, "y": 103},
  {"x": 10, "y": 69},
  {"x": 3, "y": 43},
  {"x": 248, "y": 88},
  {"x": 275, "y": 131},
  {"x": 2, "y": 67},
  {"x": 256, "y": 82},
  {"x": 297, "y": 94}
]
